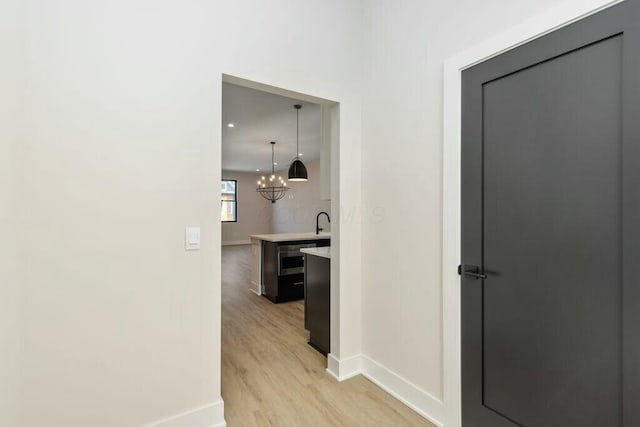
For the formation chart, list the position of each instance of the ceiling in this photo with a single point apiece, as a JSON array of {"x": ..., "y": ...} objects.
[{"x": 260, "y": 117}]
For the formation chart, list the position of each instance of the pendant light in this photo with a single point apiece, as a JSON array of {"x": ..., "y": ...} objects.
[
  {"x": 297, "y": 170},
  {"x": 272, "y": 189}
]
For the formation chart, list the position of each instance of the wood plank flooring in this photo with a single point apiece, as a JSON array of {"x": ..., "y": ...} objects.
[{"x": 271, "y": 377}]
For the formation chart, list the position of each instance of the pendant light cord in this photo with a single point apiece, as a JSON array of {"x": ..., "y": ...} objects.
[{"x": 297, "y": 107}]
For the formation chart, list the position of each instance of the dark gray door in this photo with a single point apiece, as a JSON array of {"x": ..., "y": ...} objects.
[{"x": 551, "y": 216}]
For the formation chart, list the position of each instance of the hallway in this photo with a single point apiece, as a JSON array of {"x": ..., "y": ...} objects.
[{"x": 271, "y": 377}]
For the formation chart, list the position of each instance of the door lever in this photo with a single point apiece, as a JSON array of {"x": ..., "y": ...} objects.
[{"x": 471, "y": 271}]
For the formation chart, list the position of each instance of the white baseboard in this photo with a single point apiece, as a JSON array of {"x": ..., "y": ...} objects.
[
  {"x": 256, "y": 288},
  {"x": 236, "y": 242},
  {"x": 211, "y": 415},
  {"x": 408, "y": 393},
  {"x": 343, "y": 369}
]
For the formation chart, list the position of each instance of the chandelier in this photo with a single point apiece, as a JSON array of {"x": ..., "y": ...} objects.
[{"x": 272, "y": 189}]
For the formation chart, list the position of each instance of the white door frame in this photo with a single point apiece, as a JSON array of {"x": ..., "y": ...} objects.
[
  {"x": 338, "y": 245},
  {"x": 551, "y": 20}
]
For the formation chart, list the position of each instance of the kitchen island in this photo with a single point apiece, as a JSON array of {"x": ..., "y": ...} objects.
[
  {"x": 276, "y": 263},
  {"x": 317, "y": 297}
]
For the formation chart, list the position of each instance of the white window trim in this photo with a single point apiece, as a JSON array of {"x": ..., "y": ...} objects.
[{"x": 223, "y": 182}]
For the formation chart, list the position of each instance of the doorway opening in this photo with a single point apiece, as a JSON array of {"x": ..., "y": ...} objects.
[{"x": 279, "y": 271}]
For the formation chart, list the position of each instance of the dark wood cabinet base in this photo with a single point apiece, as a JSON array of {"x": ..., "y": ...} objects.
[
  {"x": 317, "y": 309},
  {"x": 287, "y": 288},
  {"x": 276, "y": 286},
  {"x": 318, "y": 349}
]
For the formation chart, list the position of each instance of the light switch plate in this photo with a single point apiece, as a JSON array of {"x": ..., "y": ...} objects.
[{"x": 192, "y": 238}]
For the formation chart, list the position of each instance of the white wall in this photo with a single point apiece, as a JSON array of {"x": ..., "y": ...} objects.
[
  {"x": 406, "y": 43},
  {"x": 296, "y": 212},
  {"x": 121, "y": 325},
  {"x": 254, "y": 212},
  {"x": 11, "y": 91}
]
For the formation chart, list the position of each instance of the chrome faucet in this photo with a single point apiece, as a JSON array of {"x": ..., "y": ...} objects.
[{"x": 318, "y": 229}]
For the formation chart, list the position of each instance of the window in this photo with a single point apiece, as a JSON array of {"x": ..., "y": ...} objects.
[{"x": 229, "y": 201}]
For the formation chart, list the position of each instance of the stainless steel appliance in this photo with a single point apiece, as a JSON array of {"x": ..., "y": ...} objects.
[{"x": 290, "y": 259}]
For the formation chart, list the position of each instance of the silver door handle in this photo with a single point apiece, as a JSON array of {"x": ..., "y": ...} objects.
[{"x": 471, "y": 271}]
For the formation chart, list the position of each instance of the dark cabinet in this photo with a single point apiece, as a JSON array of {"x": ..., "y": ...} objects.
[
  {"x": 283, "y": 269},
  {"x": 270, "y": 270},
  {"x": 317, "y": 303}
]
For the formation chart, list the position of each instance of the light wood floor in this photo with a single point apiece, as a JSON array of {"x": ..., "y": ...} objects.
[{"x": 271, "y": 377}]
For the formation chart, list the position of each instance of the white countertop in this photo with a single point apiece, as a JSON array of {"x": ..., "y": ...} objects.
[
  {"x": 323, "y": 251},
  {"x": 290, "y": 237}
]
